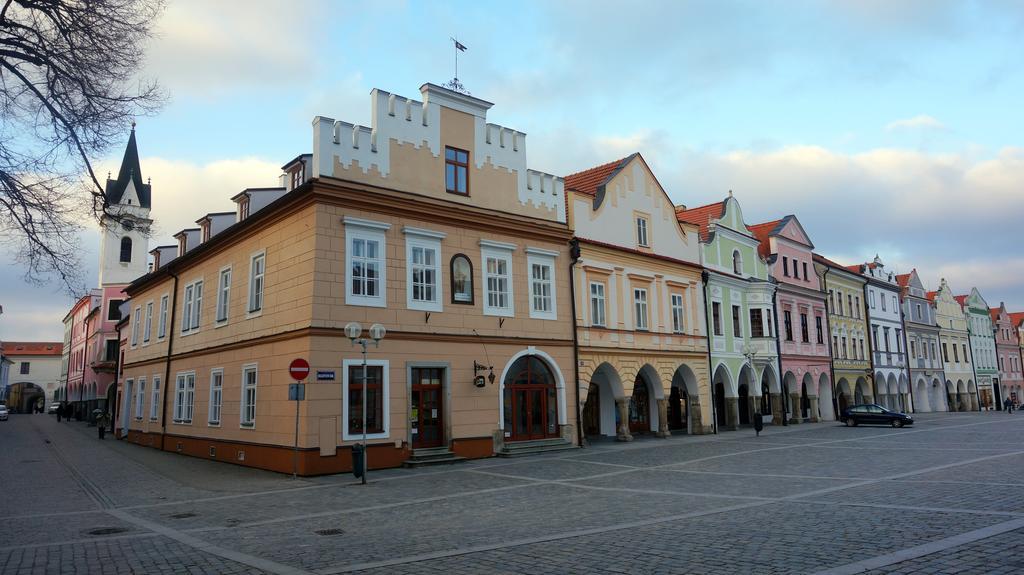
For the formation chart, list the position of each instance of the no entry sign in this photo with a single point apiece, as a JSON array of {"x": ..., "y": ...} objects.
[{"x": 298, "y": 369}]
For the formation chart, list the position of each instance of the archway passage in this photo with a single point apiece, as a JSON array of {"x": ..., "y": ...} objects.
[
  {"x": 935, "y": 396},
  {"x": 531, "y": 401},
  {"x": 684, "y": 402},
  {"x": 805, "y": 400},
  {"x": 825, "y": 405},
  {"x": 25, "y": 397},
  {"x": 843, "y": 389},
  {"x": 863, "y": 393},
  {"x": 600, "y": 411},
  {"x": 678, "y": 409},
  {"x": 720, "y": 404},
  {"x": 744, "y": 402},
  {"x": 640, "y": 407},
  {"x": 922, "y": 399},
  {"x": 592, "y": 411}
]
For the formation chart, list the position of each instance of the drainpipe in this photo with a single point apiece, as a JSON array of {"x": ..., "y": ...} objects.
[
  {"x": 117, "y": 382},
  {"x": 871, "y": 356},
  {"x": 167, "y": 364},
  {"x": 704, "y": 276},
  {"x": 829, "y": 309},
  {"x": 974, "y": 370},
  {"x": 778, "y": 353},
  {"x": 574, "y": 256}
]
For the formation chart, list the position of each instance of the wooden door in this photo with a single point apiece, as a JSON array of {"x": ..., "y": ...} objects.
[{"x": 426, "y": 409}]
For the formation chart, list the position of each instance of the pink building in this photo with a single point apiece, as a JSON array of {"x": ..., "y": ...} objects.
[
  {"x": 804, "y": 361},
  {"x": 1011, "y": 381}
]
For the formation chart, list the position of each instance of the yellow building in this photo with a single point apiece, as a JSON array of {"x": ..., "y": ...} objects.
[
  {"x": 848, "y": 326},
  {"x": 428, "y": 223},
  {"x": 639, "y": 299}
]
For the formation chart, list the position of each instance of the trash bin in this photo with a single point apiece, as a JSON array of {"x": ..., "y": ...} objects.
[{"x": 358, "y": 459}]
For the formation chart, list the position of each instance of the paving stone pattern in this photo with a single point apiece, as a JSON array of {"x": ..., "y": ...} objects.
[{"x": 799, "y": 499}]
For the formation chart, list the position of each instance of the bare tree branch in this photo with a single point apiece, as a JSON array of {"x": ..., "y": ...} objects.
[{"x": 66, "y": 72}]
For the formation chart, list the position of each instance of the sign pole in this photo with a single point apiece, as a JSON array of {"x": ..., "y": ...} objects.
[
  {"x": 295, "y": 453},
  {"x": 298, "y": 369}
]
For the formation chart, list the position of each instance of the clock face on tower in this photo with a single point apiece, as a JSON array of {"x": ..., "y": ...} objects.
[{"x": 128, "y": 225}]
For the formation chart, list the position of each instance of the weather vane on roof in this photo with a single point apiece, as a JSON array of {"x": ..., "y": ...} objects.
[{"x": 454, "y": 83}]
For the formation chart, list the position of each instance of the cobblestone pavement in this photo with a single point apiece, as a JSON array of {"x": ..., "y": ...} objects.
[{"x": 944, "y": 496}]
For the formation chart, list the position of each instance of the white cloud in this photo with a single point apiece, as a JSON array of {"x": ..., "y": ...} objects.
[{"x": 919, "y": 122}]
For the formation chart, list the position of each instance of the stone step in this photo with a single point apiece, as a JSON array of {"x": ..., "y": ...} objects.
[
  {"x": 433, "y": 456},
  {"x": 532, "y": 447}
]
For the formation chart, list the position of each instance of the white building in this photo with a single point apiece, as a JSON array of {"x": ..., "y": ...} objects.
[{"x": 34, "y": 371}]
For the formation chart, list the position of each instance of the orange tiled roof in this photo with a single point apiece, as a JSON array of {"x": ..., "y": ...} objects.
[
  {"x": 33, "y": 347},
  {"x": 994, "y": 312},
  {"x": 828, "y": 262},
  {"x": 762, "y": 232},
  {"x": 702, "y": 216},
  {"x": 903, "y": 279},
  {"x": 1017, "y": 318},
  {"x": 961, "y": 299},
  {"x": 855, "y": 268},
  {"x": 589, "y": 180},
  {"x": 931, "y": 295}
]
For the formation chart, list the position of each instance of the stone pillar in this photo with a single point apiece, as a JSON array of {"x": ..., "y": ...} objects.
[
  {"x": 623, "y": 434},
  {"x": 663, "y": 418},
  {"x": 963, "y": 401},
  {"x": 697, "y": 426},
  {"x": 777, "y": 410},
  {"x": 814, "y": 409},
  {"x": 731, "y": 413},
  {"x": 974, "y": 401},
  {"x": 794, "y": 404}
]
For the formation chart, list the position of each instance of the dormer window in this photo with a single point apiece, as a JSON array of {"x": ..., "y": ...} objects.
[
  {"x": 243, "y": 209},
  {"x": 641, "y": 232},
  {"x": 181, "y": 246},
  {"x": 205, "y": 231},
  {"x": 298, "y": 176},
  {"x": 456, "y": 171},
  {"x": 126, "y": 250},
  {"x": 737, "y": 263}
]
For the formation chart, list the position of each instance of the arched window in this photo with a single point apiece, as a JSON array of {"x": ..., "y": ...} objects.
[
  {"x": 530, "y": 400},
  {"x": 126, "y": 250},
  {"x": 737, "y": 263},
  {"x": 462, "y": 279}
]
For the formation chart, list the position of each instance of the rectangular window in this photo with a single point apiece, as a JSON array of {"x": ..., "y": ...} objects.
[
  {"x": 917, "y": 311},
  {"x": 737, "y": 326},
  {"x": 456, "y": 171},
  {"x": 817, "y": 327},
  {"x": 542, "y": 286},
  {"x": 597, "y": 304},
  {"x": 376, "y": 395},
  {"x": 257, "y": 267},
  {"x": 154, "y": 402},
  {"x": 913, "y": 349},
  {"x": 24, "y": 367},
  {"x": 367, "y": 262},
  {"x": 844, "y": 348},
  {"x": 677, "y": 313},
  {"x": 871, "y": 298},
  {"x": 956, "y": 353},
  {"x": 140, "y": 397},
  {"x": 806, "y": 278},
  {"x": 110, "y": 350},
  {"x": 895, "y": 306},
  {"x": 967, "y": 358},
  {"x": 899, "y": 340},
  {"x": 247, "y": 413},
  {"x": 785, "y": 266},
  {"x": 498, "y": 283},
  {"x": 640, "y": 308},
  {"x": 756, "y": 323},
  {"x": 147, "y": 328},
  {"x": 796, "y": 270},
  {"x": 193, "y": 304},
  {"x": 114, "y": 309},
  {"x": 216, "y": 395},
  {"x": 136, "y": 325},
  {"x": 832, "y": 300},
  {"x": 223, "y": 294},
  {"x": 885, "y": 334},
  {"x": 840, "y": 299},
  {"x": 835, "y": 345},
  {"x": 862, "y": 348},
  {"x": 933, "y": 350},
  {"x": 716, "y": 315},
  {"x": 184, "y": 397},
  {"x": 423, "y": 257},
  {"x": 787, "y": 320},
  {"x": 882, "y": 299},
  {"x": 849, "y": 304},
  {"x": 804, "y": 329},
  {"x": 161, "y": 330},
  {"x": 856, "y": 302},
  {"x": 641, "y": 232}
]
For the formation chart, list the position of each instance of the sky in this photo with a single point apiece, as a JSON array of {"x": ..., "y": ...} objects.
[{"x": 888, "y": 127}]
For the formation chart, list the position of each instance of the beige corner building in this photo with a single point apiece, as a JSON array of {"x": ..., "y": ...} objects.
[
  {"x": 640, "y": 326},
  {"x": 428, "y": 223}
]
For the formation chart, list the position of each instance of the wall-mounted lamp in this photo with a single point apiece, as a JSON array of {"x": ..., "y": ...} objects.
[{"x": 479, "y": 380}]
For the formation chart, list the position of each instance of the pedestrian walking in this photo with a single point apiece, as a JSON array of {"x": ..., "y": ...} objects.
[
  {"x": 102, "y": 419},
  {"x": 59, "y": 410},
  {"x": 1008, "y": 405}
]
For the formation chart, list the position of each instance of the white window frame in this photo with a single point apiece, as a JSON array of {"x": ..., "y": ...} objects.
[
  {"x": 243, "y": 421},
  {"x": 424, "y": 240},
  {"x": 136, "y": 321},
  {"x": 223, "y": 297},
  {"x": 184, "y": 397},
  {"x": 257, "y": 284},
  {"x": 216, "y": 399},
  {"x": 641, "y": 310},
  {"x": 503, "y": 252},
  {"x": 643, "y": 232},
  {"x": 192, "y": 308},
  {"x": 542, "y": 258},
  {"x": 147, "y": 328},
  {"x": 678, "y": 316},
  {"x": 161, "y": 329},
  {"x": 155, "y": 400},
  {"x": 140, "y": 398},
  {"x": 367, "y": 230},
  {"x": 386, "y": 391},
  {"x": 595, "y": 298}
]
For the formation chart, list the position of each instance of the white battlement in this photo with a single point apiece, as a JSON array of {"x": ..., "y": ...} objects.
[{"x": 418, "y": 123}]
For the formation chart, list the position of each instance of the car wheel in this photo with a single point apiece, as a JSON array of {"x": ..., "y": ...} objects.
[
  {"x": 851, "y": 422},
  {"x": 897, "y": 423}
]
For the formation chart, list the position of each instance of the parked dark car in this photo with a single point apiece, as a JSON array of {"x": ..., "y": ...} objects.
[{"x": 871, "y": 413}]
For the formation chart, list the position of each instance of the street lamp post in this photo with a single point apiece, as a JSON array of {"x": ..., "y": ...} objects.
[
  {"x": 354, "y": 331},
  {"x": 749, "y": 351}
]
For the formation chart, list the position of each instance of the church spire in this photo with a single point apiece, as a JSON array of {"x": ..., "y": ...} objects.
[{"x": 130, "y": 172}]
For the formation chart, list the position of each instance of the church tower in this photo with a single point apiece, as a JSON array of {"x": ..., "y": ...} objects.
[{"x": 125, "y": 226}]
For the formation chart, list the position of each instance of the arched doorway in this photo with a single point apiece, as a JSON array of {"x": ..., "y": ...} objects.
[
  {"x": 530, "y": 400},
  {"x": 677, "y": 409},
  {"x": 935, "y": 396},
  {"x": 684, "y": 401},
  {"x": 825, "y": 405},
  {"x": 723, "y": 389},
  {"x": 997, "y": 393},
  {"x": 744, "y": 404},
  {"x": 600, "y": 411},
  {"x": 25, "y": 397},
  {"x": 881, "y": 391},
  {"x": 805, "y": 399},
  {"x": 972, "y": 396},
  {"x": 843, "y": 389},
  {"x": 961, "y": 396},
  {"x": 789, "y": 388},
  {"x": 922, "y": 401},
  {"x": 861, "y": 393}
]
